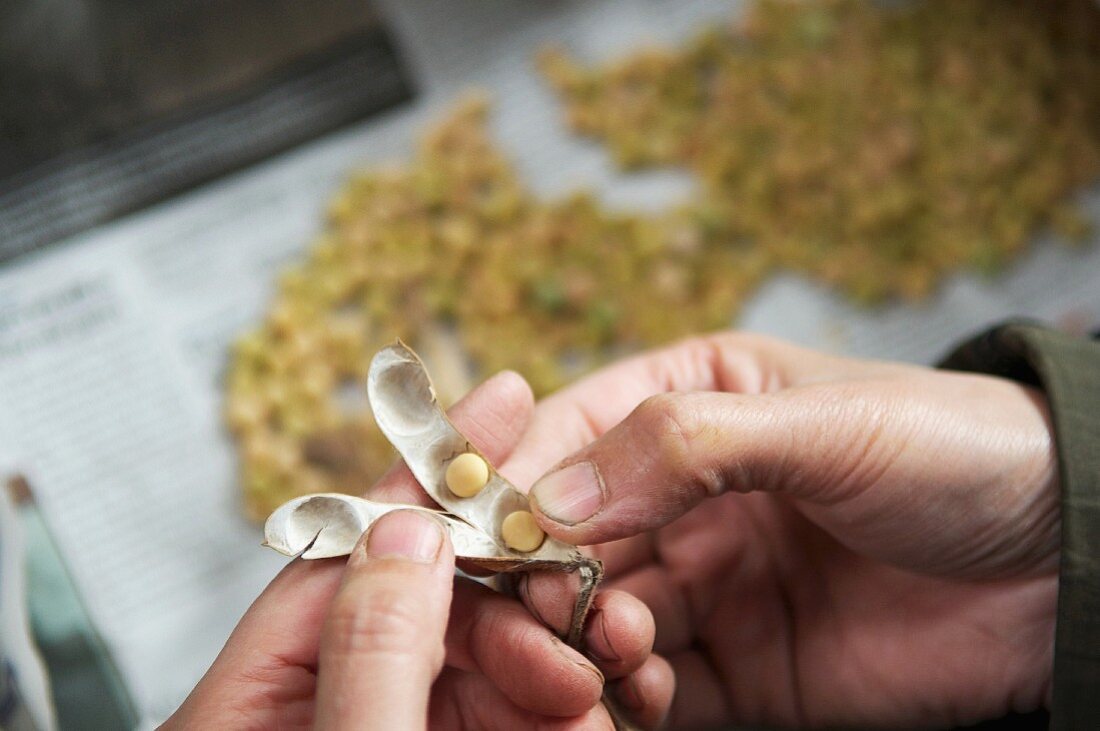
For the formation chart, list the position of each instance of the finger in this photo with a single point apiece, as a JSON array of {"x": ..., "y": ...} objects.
[
  {"x": 618, "y": 633},
  {"x": 619, "y": 629},
  {"x": 820, "y": 444},
  {"x": 468, "y": 700},
  {"x": 665, "y": 457},
  {"x": 275, "y": 643},
  {"x": 714, "y": 550},
  {"x": 382, "y": 642},
  {"x": 700, "y": 698},
  {"x": 286, "y": 619},
  {"x": 622, "y": 556},
  {"x": 728, "y": 362},
  {"x": 550, "y": 596},
  {"x": 667, "y": 604},
  {"x": 493, "y": 416},
  {"x": 853, "y": 456},
  {"x": 496, "y": 636},
  {"x": 646, "y": 694}
]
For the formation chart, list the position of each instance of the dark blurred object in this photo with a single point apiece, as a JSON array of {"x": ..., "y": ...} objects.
[
  {"x": 1034, "y": 721},
  {"x": 87, "y": 690},
  {"x": 109, "y": 105}
]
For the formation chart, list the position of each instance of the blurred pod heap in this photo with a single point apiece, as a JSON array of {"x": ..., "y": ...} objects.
[{"x": 875, "y": 149}]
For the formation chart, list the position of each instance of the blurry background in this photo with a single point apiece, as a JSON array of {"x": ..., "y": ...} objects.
[
  {"x": 108, "y": 106},
  {"x": 115, "y": 342}
]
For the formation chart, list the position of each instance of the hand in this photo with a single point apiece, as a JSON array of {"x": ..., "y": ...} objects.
[
  {"x": 619, "y": 629},
  {"x": 822, "y": 541},
  {"x": 359, "y": 645}
]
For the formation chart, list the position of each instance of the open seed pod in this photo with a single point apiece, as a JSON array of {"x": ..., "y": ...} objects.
[
  {"x": 406, "y": 409},
  {"x": 328, "y": 524},
  {"x": 408, "y": 413}
]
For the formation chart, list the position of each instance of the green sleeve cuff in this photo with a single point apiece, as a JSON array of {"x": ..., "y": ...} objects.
[{"x": 1067, "y": 369}]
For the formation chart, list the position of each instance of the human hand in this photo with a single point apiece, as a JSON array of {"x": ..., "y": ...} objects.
[
  {"x": 360, "y": 645},
  {"x": 822, "y": 541},
  {"x": 618, "y": 632}
]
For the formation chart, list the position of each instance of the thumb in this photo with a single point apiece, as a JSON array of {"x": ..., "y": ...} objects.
[
  {"x": 676, "y": 449},
  {"x": 938, "y": 472},
  {"x": 382, "y": 643}
]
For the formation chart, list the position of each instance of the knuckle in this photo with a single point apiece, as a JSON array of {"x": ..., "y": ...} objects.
[
  {"x": 733, "y": 340},
  {"x": 667, "y": 428},
  {"x": 672, "y": 428}
]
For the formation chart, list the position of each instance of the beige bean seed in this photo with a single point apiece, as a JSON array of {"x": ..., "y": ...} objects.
[
  {"x": 520, "y": 532},
  {"x": 467, "y": 474}
]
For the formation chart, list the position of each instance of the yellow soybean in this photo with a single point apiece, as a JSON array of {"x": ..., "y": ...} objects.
[
  {"x": 467, "y": 474},
  {"x": 520, "y": 532}
]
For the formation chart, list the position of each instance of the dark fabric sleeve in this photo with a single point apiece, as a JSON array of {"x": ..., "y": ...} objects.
[{"x": 1067, "y": 369}]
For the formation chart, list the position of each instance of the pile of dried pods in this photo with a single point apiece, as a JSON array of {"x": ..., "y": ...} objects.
[{"x": 876, "y": 149}]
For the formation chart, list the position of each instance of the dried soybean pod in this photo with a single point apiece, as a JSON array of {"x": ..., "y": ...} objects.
[
  {"x": 408, "y": 413},
  {"x": 329, "y": 524}
]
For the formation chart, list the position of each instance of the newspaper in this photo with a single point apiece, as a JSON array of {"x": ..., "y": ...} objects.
[{"x": 112, "y": 345}]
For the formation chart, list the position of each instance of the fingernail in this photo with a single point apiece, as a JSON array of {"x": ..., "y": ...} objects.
[
  {"x": 571, "y": 495},
  {"x": 405, "y": 534},
  {"x": 597, "y": 642},
  {"x": 577, "y": 659},
  {"x": 523, "y": 591}
]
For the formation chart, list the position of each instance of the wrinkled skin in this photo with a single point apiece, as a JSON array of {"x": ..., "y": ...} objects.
[{"x": 822, "y": 541}]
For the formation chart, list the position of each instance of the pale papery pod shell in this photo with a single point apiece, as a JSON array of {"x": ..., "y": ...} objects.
[
  {"x": 329, "y": 524},
  {"x": 409, "y": 414},
  {"x": 407, "y": 411}
]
